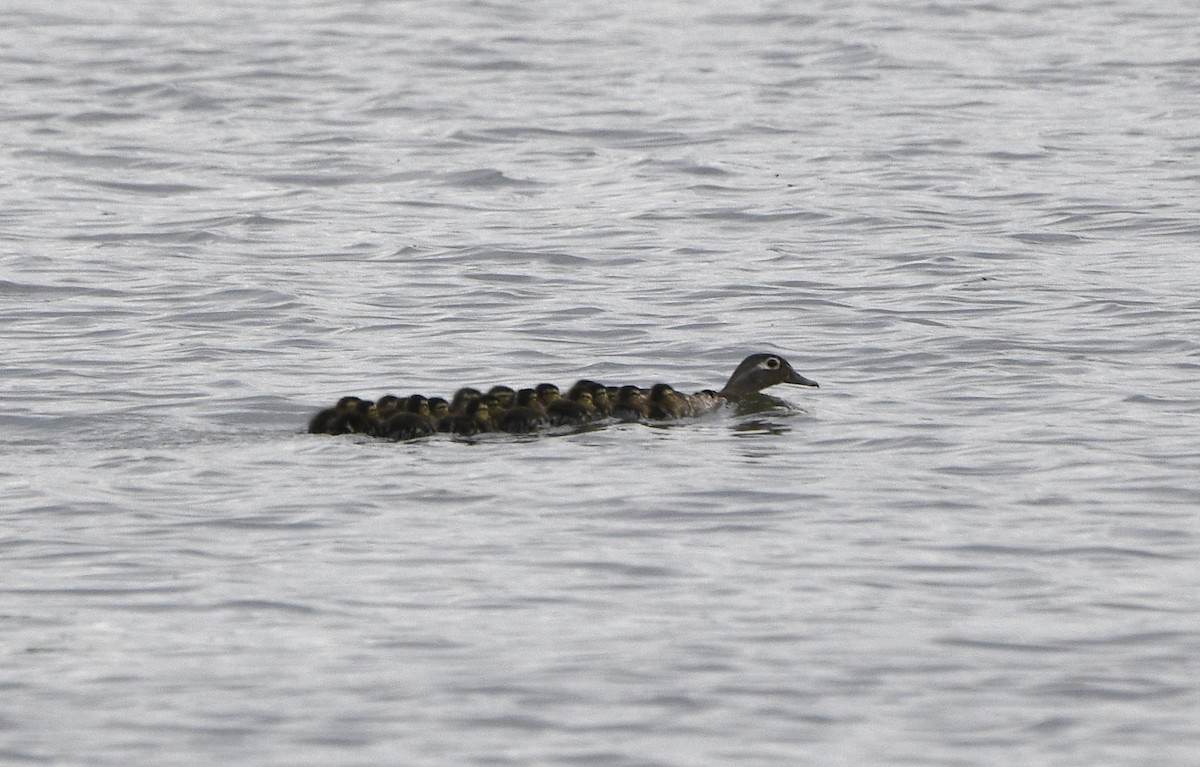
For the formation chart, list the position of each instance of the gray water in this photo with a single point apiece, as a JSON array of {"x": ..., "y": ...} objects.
[{"x": 975, "y": 224}]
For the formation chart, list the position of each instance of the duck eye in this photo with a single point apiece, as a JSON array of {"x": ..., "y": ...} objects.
[{"x": 772, "y": 363}]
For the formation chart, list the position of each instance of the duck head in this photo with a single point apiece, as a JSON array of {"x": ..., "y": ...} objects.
[
  {"x": 505, "y": 395},
  {"x": 757, "y": 372},
  {"x": 439, "y": 408},
  {"x": 546, "y": 393}
]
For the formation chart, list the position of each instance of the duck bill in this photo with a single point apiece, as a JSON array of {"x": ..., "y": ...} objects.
[{"x": 799, "y": 380}]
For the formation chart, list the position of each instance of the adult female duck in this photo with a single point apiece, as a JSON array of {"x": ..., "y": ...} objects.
[{"x": 757, "y": 372}]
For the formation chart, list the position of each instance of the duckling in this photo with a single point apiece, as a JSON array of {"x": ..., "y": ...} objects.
[
  {"x": 582, "y": 384},
  {"x": 546, "y": 393},
  {"x": 387, "y": 406},
  {"x": 458, "y": 403},
  {"x": 574, "y": 410},
  {"x": 474, "y": 419},
  {"x": 504, "y": 394},
  {"x": 492, "y": 403},
  {"x": 601, "y": 401},
  {"x": 438, "y": 408},
  {"x": 663, "y": 405},
  {"x": 352, "y": 415},
  {"x": 408, "y": 425},
  {"x": 319, "y": 423},
  {"x": 415, "y": 420},
  {"x": 349, "y": 403},
  {"x": 525, "y": 416},
  {"x": 417, "y": 404},
  {"x": 630, "y": 404},
  {"x": 528, "y": 398},
  {"x": 757, "y": 372},
  {"x": 521, "y": 419}
]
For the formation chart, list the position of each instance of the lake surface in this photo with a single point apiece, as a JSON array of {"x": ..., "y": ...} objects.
[{"x": 975, "y": 224}]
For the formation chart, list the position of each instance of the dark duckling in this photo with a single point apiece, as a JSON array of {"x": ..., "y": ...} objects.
[
  {"x": 438, "y": 408},
  {"x": 494, "y": 407},
  {"x": 406, "y": 425},
  {"x": 528, "y": 398},
  {"x": 522, "y": 419},
  {"x": 505, "y": 395},
  {"x": 572, "y": 411},
  {"x": 525, "y": 416},
  {"x": 630, "y": 405},
  {"x": 351, "y": 415},
  {"x": 582, "y": 384},
  {"x": 757, "y": 372},
  {"x": 546, "y": 393},
  {"x": 415, "y": 420},
  {"x": 417, "y": 404},
  {"x": 458, "y": 403},
  {"x": 319, "y": 423},
  {"x": 387, "y": 406},
  {"x": 475, "y": 419}
]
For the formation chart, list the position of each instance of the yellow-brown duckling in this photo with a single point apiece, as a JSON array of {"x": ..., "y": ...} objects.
[
  {"x": 663, "y": 404},
  {"x": 601, "y": 403}
]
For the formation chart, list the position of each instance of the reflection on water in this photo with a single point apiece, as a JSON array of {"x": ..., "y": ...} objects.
[{"x": 758, "y": 427}]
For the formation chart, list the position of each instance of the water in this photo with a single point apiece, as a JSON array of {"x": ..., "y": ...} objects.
[{"x": 975, "y": 225}]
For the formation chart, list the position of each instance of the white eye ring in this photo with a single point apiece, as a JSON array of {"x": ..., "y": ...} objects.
[{"x": 772, "y": 363}]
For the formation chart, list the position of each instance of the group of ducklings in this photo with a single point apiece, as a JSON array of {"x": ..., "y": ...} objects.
[{"x": 501, "y": 408}]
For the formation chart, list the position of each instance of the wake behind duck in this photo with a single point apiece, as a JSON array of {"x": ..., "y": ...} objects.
[{"x": 528, "y": 411}]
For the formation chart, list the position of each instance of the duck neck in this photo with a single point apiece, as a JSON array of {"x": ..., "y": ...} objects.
[{"x": 732, "y": 392}]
